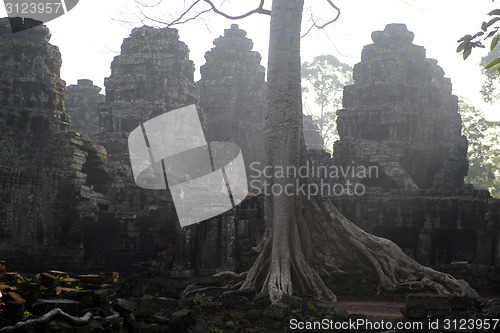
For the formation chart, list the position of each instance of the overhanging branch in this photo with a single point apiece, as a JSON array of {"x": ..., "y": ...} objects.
[
  {"x": 315, "y": 22},
  {"x": 258, "y": 10}
]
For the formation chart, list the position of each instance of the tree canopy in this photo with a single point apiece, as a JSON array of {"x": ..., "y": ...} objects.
[
  {"x": 325, "y": 78},
  {"x": 484, "y": 149}
]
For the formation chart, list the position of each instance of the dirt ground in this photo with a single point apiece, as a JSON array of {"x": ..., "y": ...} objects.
[{"x": 373, "y": 309}]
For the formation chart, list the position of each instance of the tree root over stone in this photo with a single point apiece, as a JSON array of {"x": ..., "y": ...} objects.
[
  {"x": 325, "y": 241},
  {"x": 322, "y": 240}
]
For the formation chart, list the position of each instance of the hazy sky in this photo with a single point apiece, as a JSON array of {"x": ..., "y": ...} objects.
[{"x": 90, "y": 35}]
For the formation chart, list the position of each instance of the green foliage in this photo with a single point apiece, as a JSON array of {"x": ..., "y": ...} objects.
[
  {"x": 26, "y": 315},
  {"x": 484, "y": 149},
  {"x": 489, "y": 90},
  {"x": 234, "y": 325},
  {"x": 213, "y": 329},
  {"x": 325, "y": 78},
  {"x": 489, "y": 29},
  {"x": 197, "y": 302}
]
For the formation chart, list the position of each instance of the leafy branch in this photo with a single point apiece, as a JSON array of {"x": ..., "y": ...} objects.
[{"x": 488, "y": 30}]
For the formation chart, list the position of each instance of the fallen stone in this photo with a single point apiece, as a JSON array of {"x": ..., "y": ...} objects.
[
  {"x": 42, "y": 306},
  {"x": 13, "y": 311},
  {"x": 16, "y": 297},
  {"x": 144, "y": 306},
  {"x": 29, "y": 291},
  {"x": 414, "y": 313},
  {"x": 166, "y": 303},
  {"x": 59, "y": 274},
  {"x": 123, "y": 305},
  {"x": 71, "y": 282},
  {"x": 428, "y": 302},
  {"x": 278, "y": 311},
  {"x": 254, "y": 314},
  {"x": 101, "y": 296},
  {"x": 85, "y": 297},
  {"x": 293, "y": 301},
  {"x": 93, "y": 326},
  {"x": 11, "y": 277},
  {"x": 261, "y": 301},
  {"x": 48, "y": 280},
  {"x": 323, "y": 308},
  {"x": 208, "y": 305},
  {"x": 237, "y": 299},
  {"x": 494, "y": 311},
  {"x": 464, "y": 303},
  {"x": 131, "y": 287},
  {"x": 181, "y": 320},
  {"x": 91, "y": 279}
]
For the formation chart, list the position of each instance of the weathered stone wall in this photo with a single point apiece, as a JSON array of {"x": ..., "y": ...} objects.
[
  {"x": 81, "y": 104},
  {"x": 64, "y": 203},
  {"x": 484, "y": 279},
  {"x": 152, "y": 75},
  {"x": 232, "y": 88},
  {"x": 42, "y": 211},
  {"x": 32, "y": 93},
  {"x": 401, "y": 116},
  {"x": 431, "y": 227}
]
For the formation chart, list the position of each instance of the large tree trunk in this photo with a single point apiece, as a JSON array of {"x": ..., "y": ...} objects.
[
  {"x": 305, "y": 235},
  {"x": 282, "y": 266}
]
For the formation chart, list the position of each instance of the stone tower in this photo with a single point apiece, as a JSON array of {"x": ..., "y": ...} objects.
[
  {"x": 31, "y": 90},
  {"x": 81, "y": 104},
  {"x": 151, "y": 76},
  {"x": 401, "y": 116},
  {"x": 232, "y": 88},
  {"x": 43, "y": 167}
]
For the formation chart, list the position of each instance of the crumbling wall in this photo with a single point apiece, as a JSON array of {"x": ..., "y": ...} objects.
[
  {"x": 63, "y": 202},
  {"x": 81, "y": 104},
  {"x": 42, "y": 210}
]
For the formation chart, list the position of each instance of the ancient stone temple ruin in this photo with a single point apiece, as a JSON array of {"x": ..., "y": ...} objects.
[
  {"x": 401, "y": 117},
  {"x": 152, "y": 75},
  {"x": 232, "y": 88},
  {"x": 45, "y": 195},
  {"x": 67, "y": 201},
  {"x": 81, "y": 104}
]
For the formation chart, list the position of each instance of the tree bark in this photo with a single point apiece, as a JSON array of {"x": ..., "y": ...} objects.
[{"x": 282, "y": 266}]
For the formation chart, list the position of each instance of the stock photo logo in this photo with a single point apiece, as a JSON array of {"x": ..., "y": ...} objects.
[
  {"x": 39, "y": 10},
  {"x": 205, "y": 179}
]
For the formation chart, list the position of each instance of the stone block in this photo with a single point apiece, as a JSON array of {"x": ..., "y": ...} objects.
[
  {"x": 464, "y": 303},
  {"x": 42, "y": 306},
  {"x": 166, "y": 304},
  {"x": 238, "y": 299},
  {"x": 123, "y": 305},
  {"x": 428, "y": 302},
  {"x": 254, "y": 314},
  {"x": 278, "y": 311},
  {"x": 13, "y": 311}
]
